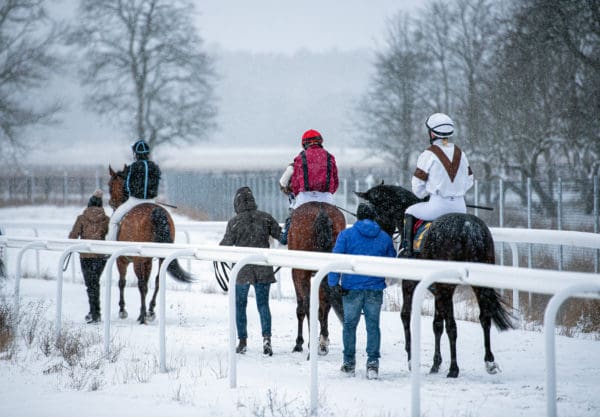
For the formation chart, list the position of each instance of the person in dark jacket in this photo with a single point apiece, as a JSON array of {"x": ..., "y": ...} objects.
[
  {"x": 92, "y": 224},
  {"x": 143, "y": 178},
  {"x": 362, "y": 292},
  {"x": 252, "y": 228}
]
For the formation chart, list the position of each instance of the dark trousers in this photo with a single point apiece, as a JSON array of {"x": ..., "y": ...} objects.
[{"x": 92, "y": 269}]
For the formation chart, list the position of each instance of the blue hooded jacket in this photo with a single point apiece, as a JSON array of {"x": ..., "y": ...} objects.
[{"x": 365, "y": 237}]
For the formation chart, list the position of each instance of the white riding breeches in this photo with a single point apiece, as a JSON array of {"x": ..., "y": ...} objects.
[
  {"x": 436, "y": 207},
  {"x": 120, "y": 212},
  {"x": 307, "y": 196}
]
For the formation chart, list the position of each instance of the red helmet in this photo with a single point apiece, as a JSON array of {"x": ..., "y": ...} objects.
[{"x": 311, "y": 137}]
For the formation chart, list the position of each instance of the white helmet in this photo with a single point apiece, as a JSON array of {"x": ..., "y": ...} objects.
[{"x": 440, "y": 124}]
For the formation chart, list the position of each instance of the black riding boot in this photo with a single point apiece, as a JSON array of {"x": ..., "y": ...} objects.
[
  {"x": 283, "y": 239},
  {"x": 408, "y": 236}
]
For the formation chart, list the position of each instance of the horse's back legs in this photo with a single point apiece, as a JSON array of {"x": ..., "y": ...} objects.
[
  {"x": 151, "y": 314},
  {"x": 445, "y": 294},
  {"x": 324, "y": 308},
  {"x": 122, "y": 263},
  {"x": 302, "y": 286},
  {"x": 142, "y": 268},
  {"x": 408, "y": 288},
  {"x": 485, "y": 318}
]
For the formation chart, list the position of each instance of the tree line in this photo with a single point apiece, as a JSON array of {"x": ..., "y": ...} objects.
[{"x": 520, "y": 79}]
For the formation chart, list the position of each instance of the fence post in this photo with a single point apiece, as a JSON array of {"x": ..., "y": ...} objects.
[
  {"x": 596, "y": 220},
  {"x": 559, "y": 225},
  {"x": 549, "y": 326},
  {"x": 529, "y": 247},
  {"x": 501, "y": 214},
  {"x": 313, "y": 330}
]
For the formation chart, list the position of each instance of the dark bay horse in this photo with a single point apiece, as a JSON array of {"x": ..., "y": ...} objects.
[
  {"x": 452, "y": 237},
  {"x": 147, "y": 222},
  {"x": 315, "y": 227}
]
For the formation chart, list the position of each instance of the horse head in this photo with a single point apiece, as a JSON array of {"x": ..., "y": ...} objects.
[
  {"x": 390, "y": 202},
  {"x": 116, "y": 187}
]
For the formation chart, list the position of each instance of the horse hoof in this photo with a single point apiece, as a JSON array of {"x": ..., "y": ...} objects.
[
  {"x": 492, "y": 368},
  {"x": 453, "y": 373},
  {"x": 409, "y": 367},
  {"x": 323, "y": 350},
  {"x": 123, "y": 314},
  {"x": 151, "y": 316},
  {"x": 434, "y": 369},
  {"x": 297, "y": 348}
]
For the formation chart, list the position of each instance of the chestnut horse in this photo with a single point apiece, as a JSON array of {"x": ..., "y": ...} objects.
[
  {"x": 451, "y": 237},
  {"x": 315, "y": 227},
  {"x": 146, "y": 222}
]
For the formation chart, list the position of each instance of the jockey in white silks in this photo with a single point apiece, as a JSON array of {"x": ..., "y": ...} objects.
[
  {"x": 313, "y": 176},
  {"x": 443, "y": 173},
  {"x": 143, "y": 177}
]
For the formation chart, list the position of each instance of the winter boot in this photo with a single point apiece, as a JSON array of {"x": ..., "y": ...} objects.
[
  {"x": 348, "y": 369},
  {"x": 267, "y": 349},
  {"x": 372, "y": 371},
  {"x": 408, "y": 236},
  {"x": 88, "y": 317},
  {"x": 283, "y": 239},
  {"x": 241, "y": 347}
]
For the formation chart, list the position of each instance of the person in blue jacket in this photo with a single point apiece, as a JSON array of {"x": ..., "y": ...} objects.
[{"x": 362, "y": 293}]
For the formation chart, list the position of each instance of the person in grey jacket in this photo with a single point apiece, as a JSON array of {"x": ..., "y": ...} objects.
[{"x": 252, "y": 228}]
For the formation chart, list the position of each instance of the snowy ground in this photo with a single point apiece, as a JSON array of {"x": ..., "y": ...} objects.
[{"x": 37, "y": 381}]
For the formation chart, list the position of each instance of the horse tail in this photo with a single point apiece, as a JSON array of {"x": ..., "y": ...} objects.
[
  {"x": 323, "y": 232},
  {"x": 161, "y": 233},
  {"x": 334, "y": 298},
  {"x": 2, "y": 269},
  {"x": 492, "y": 303}
]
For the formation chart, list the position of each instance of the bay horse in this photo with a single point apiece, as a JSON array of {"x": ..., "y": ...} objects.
[
  {"x": 315, "y": 227},
  {"x": 146, "y": 222},
  {"x": 451, "y": 237}
]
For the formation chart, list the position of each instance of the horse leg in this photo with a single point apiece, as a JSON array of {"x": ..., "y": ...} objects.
[
  {"x": 438, "y": 329},
  {"x": 122, "y": 263},
  {"x": 151, "y": 314},
  {"x": 302, "y": 286},
  {"x": 486, "y": 323},
  {"x": 408, "y": 288},
  {"x": 324, "y": 308},
  {"x": 142, "y": 270},
  {"x": 446, "y": 294}
]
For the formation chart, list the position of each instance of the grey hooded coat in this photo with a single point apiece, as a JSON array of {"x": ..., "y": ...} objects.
[{"x": 251, "y": 228}]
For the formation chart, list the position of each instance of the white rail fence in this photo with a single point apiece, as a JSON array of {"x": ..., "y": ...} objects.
[{"x": 560, "y": 284}]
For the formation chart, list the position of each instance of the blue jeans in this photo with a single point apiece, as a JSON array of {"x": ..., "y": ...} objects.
[
  {"x": 262, "y": 303},
  {"x": 370, "y": 302}
]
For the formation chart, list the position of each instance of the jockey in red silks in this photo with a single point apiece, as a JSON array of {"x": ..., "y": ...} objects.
[{"x": 313, "y": 176}]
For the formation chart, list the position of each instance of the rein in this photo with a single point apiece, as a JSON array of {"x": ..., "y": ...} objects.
[{"x": 346, "y": 211}]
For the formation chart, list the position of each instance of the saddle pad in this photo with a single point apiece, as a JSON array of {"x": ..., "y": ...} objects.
[{"x": 420, "y": 229}]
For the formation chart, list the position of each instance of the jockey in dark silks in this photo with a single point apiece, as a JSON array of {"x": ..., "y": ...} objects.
[{"x": 143, "y": 178}]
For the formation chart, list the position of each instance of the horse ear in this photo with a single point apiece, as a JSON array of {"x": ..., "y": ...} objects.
[
  {"x": 111, "y": 171},
  {"x": 381, "y": 182},
  {"x": 124, "y": 167}
]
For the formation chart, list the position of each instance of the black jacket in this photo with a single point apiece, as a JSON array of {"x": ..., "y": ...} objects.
[
  {"x": 143, "y": 176},
  {"x": 251, "y": 228}
]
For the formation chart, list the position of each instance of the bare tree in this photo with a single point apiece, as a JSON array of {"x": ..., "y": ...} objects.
[
  {"x": 145, "y": 67},
  {"x": 27, "y": 60},
  {"x": 391, "y": 115}
]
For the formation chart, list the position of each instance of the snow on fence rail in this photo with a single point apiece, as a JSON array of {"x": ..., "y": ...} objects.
[{"x": 561, "y": 284}]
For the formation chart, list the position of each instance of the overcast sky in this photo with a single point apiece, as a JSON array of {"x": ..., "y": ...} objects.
[{"x": 285, "y": 26}]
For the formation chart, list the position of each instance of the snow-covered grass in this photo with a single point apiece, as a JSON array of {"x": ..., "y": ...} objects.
[{"x": 43, "y": 376}]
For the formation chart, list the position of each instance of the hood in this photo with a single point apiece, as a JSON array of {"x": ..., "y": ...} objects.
[
  {"x": 244, "y": 200},
  {"x": 367, "y": 228},
  {"x": 94, "y": 213}
]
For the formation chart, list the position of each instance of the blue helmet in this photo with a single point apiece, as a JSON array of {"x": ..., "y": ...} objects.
[{"x": 141, "y": 147}]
